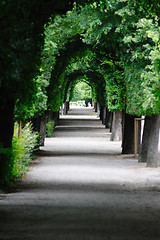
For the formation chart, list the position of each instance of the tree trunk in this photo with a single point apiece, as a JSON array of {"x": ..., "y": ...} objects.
[
  {"x": 104, "y": 116},
  {"x": 36, "y": 123},
  {"x": 139, "y": 136},
  {"x": 67, "y": 106},
  {"x": 101, "y": 113},
  {"x": 117, "y": 126},
  {"x": 128, "y": 135},
  {"x": 6, "y": 135},
  {"x": 111, "y": 122},
  {"x": 123, "y": 121},
  {"x": 56, "y": 118},
  {"x": 149, "y": 148},
  {"x": 64, "y": 109},
  {"x": 92, "y": 103},
  {"x": 95, "y": 106},
  {"x": 53, "y": 116},
  {"x": 98, "y": 109},
  {"x": 39, "y": 125},
  {"x": 44, "y": 120},
  {"x": 61, "y": 108},
  {"x": 109, "y": 117},
  {"x": 7, "y": 123}
]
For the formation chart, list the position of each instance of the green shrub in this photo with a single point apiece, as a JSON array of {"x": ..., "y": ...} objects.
[
  {"x": 50, "y": 128},
  {"x": 6, "y": 163},
  {"x": 23, "y": 148},
  {"x": 14, "y": 162}
]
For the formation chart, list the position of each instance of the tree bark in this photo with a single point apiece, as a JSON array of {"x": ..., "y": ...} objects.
[
  {"x": 101, "y": 113},
  {"x": 92, "y": 103},
  {"x": 20, "y": 128},
  {"x": 128, "y": 135},
  {"x": 7, "y": 123},
  {"x": 44, "y": 120},
  {"x": 98, "y": 109},
  {"x": 67, "y": 106},
  {"x": 6, "y": 135},
  {"x": 95, "y": 106},
  {"x": 39, "y": 125},
  {"x": 149, "y": 148},
  {"x": 64, "y": 109},
  {"x": 117, "y": 126},
  {"x": 109, "y": 118},
  {"x": 36, "y": 123},
  {"x": 139, "y": 136},
  {"x": 104, "y": 116},
  {"x": 53, "y": 116}
]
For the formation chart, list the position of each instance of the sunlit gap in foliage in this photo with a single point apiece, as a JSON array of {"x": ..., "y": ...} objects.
[{"x": 82, "y": 94}]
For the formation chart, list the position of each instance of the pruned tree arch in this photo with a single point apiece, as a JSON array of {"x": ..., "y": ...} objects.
[{"x": 45, "y": 47}]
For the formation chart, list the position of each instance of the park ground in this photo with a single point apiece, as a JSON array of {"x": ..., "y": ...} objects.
[{"x": 81, "y": 187}]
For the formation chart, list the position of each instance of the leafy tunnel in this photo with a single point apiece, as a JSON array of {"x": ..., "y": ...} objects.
[{"x": 47, "y": 47}]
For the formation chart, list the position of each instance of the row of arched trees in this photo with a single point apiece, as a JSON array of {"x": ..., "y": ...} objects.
[{"x": 113, "y": 46}]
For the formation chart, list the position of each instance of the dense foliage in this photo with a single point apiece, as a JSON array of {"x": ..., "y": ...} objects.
[
  {"x": 103, "y": 43},
  {"x": 18, "y": 159},
  {"x": 50, "y": 126},
  {"x": 118, "y": 42},
  {"x": 113, "y": 46},
  {"x": 120, "y": 36},
  {"x": 82, "y": 91}
]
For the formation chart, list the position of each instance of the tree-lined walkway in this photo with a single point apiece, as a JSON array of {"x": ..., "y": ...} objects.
[{"x": 81, "y": 187}]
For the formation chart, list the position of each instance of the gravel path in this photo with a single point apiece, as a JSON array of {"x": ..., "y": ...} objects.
[{"x": 82, "y": 188}]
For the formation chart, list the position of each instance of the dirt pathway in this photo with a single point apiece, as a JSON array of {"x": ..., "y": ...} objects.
[{"x": 82, "y": 188}]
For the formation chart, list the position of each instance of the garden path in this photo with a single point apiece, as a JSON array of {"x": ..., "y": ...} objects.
[{"x": 82, "y": 188}]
